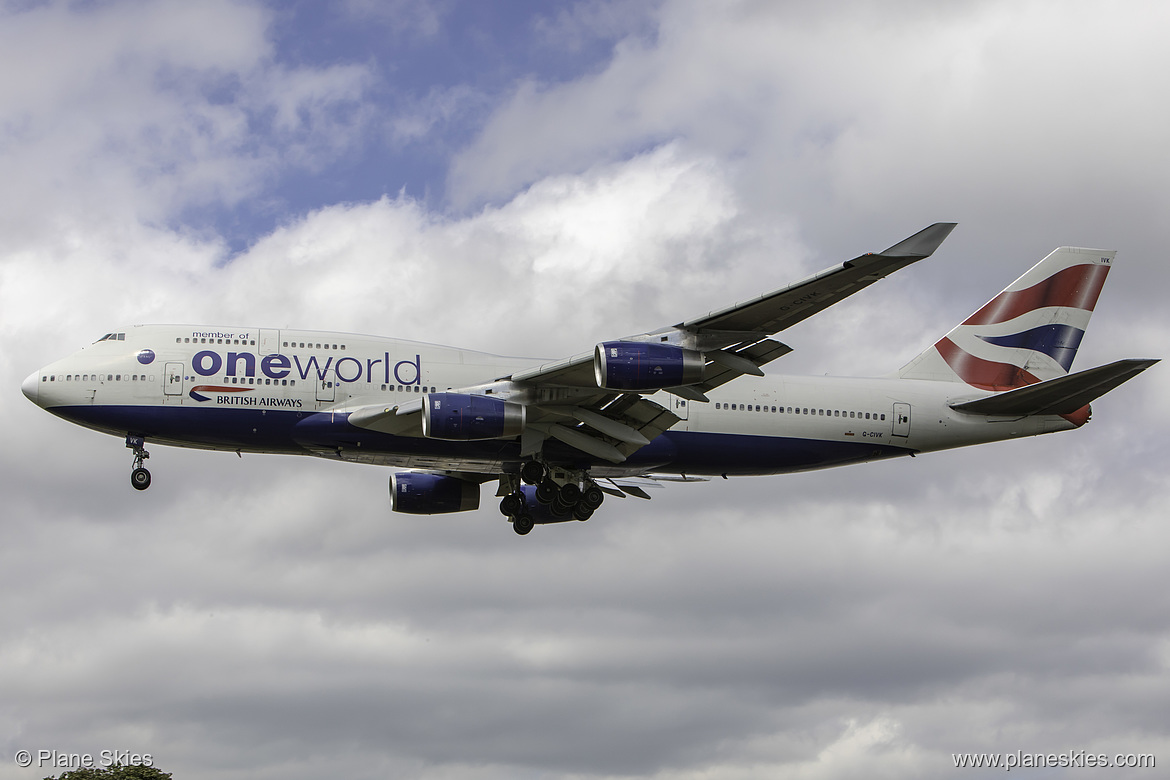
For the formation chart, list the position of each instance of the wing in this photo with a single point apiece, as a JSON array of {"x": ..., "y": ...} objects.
[
  {"x": 570, "y": 400},
  {"x": 735, "y": 340},
  {"x": 783, "y": 308}
]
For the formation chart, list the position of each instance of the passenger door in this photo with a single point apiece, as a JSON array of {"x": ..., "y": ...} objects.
[
  {"x": 173, "y": 379},
  {"x": 901, "y": 420},
  {"x": 326, "y": 385}
]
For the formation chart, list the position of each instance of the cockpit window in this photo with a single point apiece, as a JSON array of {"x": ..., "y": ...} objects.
[{"x": 112, "y": 337}]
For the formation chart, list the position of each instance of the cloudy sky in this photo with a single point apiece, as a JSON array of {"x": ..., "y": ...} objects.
[{"x": 532, "y": 178}]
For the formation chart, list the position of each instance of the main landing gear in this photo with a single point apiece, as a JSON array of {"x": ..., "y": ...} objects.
[
  {"x": 139, "y": 477},
  {"x": 549, "y": 495}
]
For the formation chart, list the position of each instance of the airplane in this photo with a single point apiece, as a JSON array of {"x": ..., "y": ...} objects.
[{"x": 685, "y": 402}]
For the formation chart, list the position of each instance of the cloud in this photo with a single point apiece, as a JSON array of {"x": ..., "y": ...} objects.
[
  {"x": 267, "y": 616},
  {"x": 148, "y": 109},
  {"x": 853, "y": 113}
]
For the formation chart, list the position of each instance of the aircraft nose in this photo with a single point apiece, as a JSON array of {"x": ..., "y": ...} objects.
[{"x": 31, "y": 386}]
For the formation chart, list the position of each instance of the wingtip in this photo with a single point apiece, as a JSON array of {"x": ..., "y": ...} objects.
[{"x": 923, "y": 243}]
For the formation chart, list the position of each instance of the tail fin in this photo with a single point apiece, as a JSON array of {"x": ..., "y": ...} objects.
[{"x": 1028, "y": 333}]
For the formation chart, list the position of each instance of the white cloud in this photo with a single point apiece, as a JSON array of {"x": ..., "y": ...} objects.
[
  {"x": 860, "y": 115},
  {"x": 268, "y": 617},
  {"x": 590, "y": 244},
  {"x": 146, "y": 109}
]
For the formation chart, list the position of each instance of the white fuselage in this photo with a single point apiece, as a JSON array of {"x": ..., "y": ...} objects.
[{"x": 289, "y": 391}]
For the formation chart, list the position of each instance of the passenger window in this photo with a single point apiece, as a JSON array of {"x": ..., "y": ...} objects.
[{"x": 883, "y": 417}]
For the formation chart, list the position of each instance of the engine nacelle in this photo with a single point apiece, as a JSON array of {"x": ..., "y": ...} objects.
[
  {"x": 460, "y": 417},
  {"x": 636, "y": 365},
  {"x": 419, "y": 493}
]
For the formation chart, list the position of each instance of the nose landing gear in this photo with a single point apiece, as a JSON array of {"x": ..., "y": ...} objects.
[{"x": 139, "y": 477}]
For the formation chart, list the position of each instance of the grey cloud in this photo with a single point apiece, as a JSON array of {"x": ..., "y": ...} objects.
[{"x": 269, "y": 617}]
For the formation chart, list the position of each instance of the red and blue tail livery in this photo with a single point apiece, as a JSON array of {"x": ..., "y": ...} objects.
[
  {"x": 681, "y": 403},
  {"x": 1028, "y": 333}
]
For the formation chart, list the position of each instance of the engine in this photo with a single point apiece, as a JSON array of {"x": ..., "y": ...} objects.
[
  {"x": 420, "y": 493},
  {"x": 459, "y": 417},
  {"x": 635, "y": 365}
]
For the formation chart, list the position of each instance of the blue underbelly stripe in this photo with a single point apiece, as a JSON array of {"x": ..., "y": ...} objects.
[{"x": 281, "y": 431}]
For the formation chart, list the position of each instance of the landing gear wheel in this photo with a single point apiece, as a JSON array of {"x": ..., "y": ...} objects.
[
  {"x": 566, "y": 499},
  {"x": 522, "y": 523},
  {"x": 546, "y": 491},
  {"x": 532, "y": 472},
  {"x": 140, "y": 478},
  {"x": 512, "y": 504},
  {"x": 592, "y": 497}
]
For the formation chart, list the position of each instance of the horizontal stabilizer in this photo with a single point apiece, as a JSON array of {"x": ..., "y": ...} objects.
[{"x": 1063, "y": 395}]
